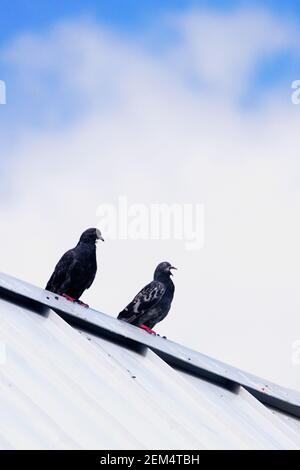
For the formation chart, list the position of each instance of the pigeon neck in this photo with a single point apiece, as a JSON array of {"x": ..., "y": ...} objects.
[
  {"x": 88, "y": 243},
  {"x": 162, "y": 277}
]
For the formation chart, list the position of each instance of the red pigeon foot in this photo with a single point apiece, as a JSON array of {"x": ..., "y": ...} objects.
[
  {"x": 146, "y": 328},
  {"x": 67, "y": 297},
  {"x": 71, "y": 299}
]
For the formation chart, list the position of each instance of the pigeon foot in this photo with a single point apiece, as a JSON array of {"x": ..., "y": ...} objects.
[
  {"x": 146, "y": 328},
  {"x": 68, "y": 297},
  {"x": 71, "y": 299}
]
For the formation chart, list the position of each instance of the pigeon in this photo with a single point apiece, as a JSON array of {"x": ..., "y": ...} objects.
[
  {"x": 76, "y": 270},
  {"x": 153, "y": 302}
]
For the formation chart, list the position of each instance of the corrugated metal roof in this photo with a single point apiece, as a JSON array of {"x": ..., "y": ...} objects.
[
  {"x": 65, "y": 388},
  {"x": 173, "y": 353}
]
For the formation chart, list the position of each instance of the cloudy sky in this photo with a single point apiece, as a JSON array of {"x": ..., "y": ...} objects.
[{"x": 161, "y": 102}]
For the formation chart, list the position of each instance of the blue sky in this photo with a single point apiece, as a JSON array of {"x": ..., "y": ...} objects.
[
  {"x": 17, "y": 15},
  {"x": 134, "y": 16}
]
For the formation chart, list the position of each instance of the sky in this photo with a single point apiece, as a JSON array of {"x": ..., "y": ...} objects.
[{"x": 161, "y": 102}]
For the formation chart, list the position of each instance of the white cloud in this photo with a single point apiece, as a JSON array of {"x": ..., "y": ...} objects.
[
  {"x": 146, "y": 134},
  {"x": 222, "y": 50}
]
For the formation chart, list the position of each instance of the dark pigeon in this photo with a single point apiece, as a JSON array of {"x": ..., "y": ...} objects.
[
  {"x": 76, "y": 270},
  {"x": 152, "y": 304}
]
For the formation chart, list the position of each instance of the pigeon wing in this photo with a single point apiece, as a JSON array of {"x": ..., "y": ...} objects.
[
  {"x": 146, "y": 299},
  {"x": 91, "y": 272},
  {"x": 62, "y": 275},
  {"x": 91, "y": 280}
]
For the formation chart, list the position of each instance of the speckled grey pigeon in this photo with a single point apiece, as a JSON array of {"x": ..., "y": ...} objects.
[
  {"x": 153, "y": 302},
  {"x": 76, "y": 270}
]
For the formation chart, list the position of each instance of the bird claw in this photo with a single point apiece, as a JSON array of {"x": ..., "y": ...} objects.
[
  {"x": 146, "y": 328},
  {"x": 68, "y": 297},
  {"x": 71, "y": 299}
]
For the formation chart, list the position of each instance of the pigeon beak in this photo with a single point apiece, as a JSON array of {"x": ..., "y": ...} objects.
[
  {"x": 172, "y": 267},
  {"x": 101, "y": 238}
]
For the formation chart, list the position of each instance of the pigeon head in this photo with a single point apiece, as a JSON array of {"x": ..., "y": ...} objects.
[
  {"x": 163, "y": 270},
  {"x": 91, "y": 235}
]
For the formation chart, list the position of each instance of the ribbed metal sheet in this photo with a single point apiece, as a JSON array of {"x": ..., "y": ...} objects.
[
  {"x": 174, "y": 353},
  {"x": 62, "y": 389}
]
